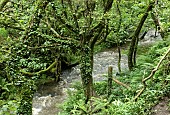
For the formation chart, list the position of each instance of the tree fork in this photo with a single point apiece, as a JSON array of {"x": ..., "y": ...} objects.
[
  {"x": 157, "y": 24},
  {"x": 135, "y": 38}
]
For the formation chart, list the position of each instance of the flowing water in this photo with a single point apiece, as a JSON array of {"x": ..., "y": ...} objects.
[{"x": 52, "y": 94}]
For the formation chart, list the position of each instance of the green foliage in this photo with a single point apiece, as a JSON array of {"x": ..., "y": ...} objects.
[
  {"x": 8, "y": 107},
  {"x": 14, "y": 86},
  {"x": 74, "y": 98},
  {"x": 6, "y": 88},
  {"x": 159, "y": 49},
  {"x": 3, "y": 33},
  {"x": 30, "y": 44}
]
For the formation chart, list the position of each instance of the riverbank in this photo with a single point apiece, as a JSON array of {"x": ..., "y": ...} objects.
[{"x": 50, "y": 94}]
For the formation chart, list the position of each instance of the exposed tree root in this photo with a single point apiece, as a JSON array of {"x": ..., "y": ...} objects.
[{"x": 151, "y": 75}]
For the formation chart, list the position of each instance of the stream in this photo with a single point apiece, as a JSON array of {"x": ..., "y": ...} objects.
[{"x": 51, "y": 94}]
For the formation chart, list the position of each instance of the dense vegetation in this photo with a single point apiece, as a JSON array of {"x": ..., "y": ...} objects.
[
  {"x": 39, "y": 39},
  {"x": 121, "y": 100}
]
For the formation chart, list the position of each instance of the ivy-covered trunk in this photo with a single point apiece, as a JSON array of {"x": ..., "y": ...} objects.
[
  {"x": 27, "y": 92},
  {"x": 86, "y": 72},
  {"x": 25, "y": 107}
]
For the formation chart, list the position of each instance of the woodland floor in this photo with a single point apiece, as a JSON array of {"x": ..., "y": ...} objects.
[{"x": 162, "y": 107}]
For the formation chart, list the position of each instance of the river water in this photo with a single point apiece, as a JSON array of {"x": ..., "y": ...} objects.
[{"x": 52, "y": 94}]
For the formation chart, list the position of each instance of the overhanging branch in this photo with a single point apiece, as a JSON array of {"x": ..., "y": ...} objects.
[{"x": 39, "y": 72}]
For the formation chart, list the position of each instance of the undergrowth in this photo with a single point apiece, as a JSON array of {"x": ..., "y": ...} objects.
[{"x": 121, "y": 100}]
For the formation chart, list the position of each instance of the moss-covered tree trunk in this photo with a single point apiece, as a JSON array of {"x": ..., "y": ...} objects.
[
  {"x": 135, "y": 39},
  {"x": 27, "y": 92}
]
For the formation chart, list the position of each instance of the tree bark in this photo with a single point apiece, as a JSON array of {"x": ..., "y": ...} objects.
[
  {"x": 119, "y": 60},
  {"x": 135, "y": 39}
]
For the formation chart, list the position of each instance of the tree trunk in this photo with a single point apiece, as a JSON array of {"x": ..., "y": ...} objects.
[
  {"x": 119, "y": 60},
  {"x": 58, "y": 67},
  {"x": 135, "y": 39},
  {"x": 130, "y": 54},
  {"x": 25, "y": 107},
  {"x": 109, "y": 90},
  {"x": 135, "y": 51},
  {"x": 91, "y": 57},
  {"x": 118, "y": 41},
  {"x": 86, "y": 71}
]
